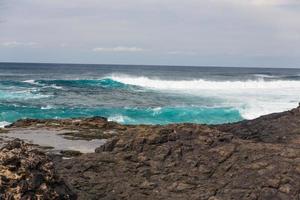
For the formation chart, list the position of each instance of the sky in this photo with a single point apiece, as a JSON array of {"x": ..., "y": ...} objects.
[{"x": 237, "y": 33}]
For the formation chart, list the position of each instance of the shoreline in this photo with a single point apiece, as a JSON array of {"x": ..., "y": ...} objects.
[{"x": 251, "y": 159}]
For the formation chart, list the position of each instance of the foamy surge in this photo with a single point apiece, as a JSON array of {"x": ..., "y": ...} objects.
[
  {"x": 34, "y": 82},
  {"x": 252, "y": 98},
  {"x": 201, "y": 84},
  {"x": 3, "y": 124}
]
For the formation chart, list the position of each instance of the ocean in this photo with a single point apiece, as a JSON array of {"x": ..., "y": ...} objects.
[{"x": 144, "y": 94}]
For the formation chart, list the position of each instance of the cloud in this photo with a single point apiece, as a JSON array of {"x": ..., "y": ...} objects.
[
  {"x": 274, "y": 2},
  {"x": 118, "y": 49},
  {"x": 13, "y": 44},
  {"x": 266, "y": 2},
  {"x": 62, "y": 45},
  {"x": 219, "y": 32},
  {"x": 2, "y": 8},
  {"x": 182, "y": 53}
]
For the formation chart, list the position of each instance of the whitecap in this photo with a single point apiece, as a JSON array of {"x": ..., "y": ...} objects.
[
  {"x": 156, "y": 110},
  {"x": 22, "y": 94},
  {"x": 30, "y": 82},
  {"x": 56, "y": 87},
  {"x": 119, "y": 118},
  {"x": 266, "y": 76},
  {"x": 47, "y": 107},
  {"x": 202, "y": 84}
]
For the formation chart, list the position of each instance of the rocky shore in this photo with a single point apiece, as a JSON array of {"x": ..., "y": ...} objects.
[
  {"x": 26, "y": 173},
  {"x": 256, "y": 159}
]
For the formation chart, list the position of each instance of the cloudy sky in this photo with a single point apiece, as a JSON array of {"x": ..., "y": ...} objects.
[{"x": 258, "y": 33}]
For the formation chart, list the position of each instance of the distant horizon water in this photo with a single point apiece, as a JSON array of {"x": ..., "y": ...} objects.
[
  {"x": 150, "y": 65},
  {"x": 145, "y": 94}
]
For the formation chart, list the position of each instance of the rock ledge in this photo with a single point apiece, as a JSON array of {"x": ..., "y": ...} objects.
[{"x": 26, "y": 173}]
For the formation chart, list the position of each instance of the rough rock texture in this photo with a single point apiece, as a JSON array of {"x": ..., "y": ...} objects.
[
  {"x": 185, "y": 162},
  {"x": 26, "y": 173},
  {"x": 257, "y": 159},
  {"x": 278, "y": 127},
  {"x": 85, "y": 128}
]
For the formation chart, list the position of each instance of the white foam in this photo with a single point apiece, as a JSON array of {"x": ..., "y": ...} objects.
[
  {"x": 3, "y": 124},
  {"x": 34, "y": 82},
  {"x": 56, "y": 87},
  {"x": 252, "y": 98},
  {"x": 47, "y": 107},
  {"x": 22, "y": 94},
  {"x": 201, "y": 84},
  {"x": 265, "y": 76},
  {"x": 30, "y": 82},
  {"x": 119, "y": 118}
]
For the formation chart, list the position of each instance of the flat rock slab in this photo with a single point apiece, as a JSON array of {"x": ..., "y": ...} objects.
[{"x": 53, "y": 138}]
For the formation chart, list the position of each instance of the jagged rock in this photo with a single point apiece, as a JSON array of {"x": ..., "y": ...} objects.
[
  {"x": 70, "y": 153},
  {"x": 281, "y": 127},
  {"x": 26, "y": 173},
  {"x": 257, "y": 159},
  {"x": 185, "y": 161}
]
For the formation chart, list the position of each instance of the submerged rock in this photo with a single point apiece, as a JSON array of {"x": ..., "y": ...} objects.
[{"x": 26, "y": 173}]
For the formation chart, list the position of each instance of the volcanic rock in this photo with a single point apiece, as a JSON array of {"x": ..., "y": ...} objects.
[
  {"x": 26, "y": 173},
  {"x": 185, "y": 161},
  {"x": 253, "y": 160}
]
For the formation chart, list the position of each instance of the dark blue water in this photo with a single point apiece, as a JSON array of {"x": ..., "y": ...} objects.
[{"x": 144, "y": 94}]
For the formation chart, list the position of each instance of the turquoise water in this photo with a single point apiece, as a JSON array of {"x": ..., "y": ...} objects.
[
  {"x": 144, "y": 94},
  {"x": 127, "y": 115}
]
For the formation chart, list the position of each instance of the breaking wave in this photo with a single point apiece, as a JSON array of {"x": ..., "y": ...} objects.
[
  {"x": 202, "y": 84},
  {"x": 252, "y": 98}
]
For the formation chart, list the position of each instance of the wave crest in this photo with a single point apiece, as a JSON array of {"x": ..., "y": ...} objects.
[
  {"x": 252, "y": 98},
  {"x": 202, "y": 84}
]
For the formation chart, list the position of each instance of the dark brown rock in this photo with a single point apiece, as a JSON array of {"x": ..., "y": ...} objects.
[
  {"x": 84, "y": 128},
  {"x": 277, "y": 127},
  {"x": 254, "y": 160},
  {"x": 28, "y": 174},
  {"x": 185, "y": 162}
]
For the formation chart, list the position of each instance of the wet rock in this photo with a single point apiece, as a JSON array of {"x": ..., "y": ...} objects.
[
  {"x": 108, "y": 146},
  {"x": 70, "y": 153},
  {"x": 84, "y": 128}
]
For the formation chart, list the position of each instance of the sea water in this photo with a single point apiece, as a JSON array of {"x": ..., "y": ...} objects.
[{"x": 144, "y": 94}]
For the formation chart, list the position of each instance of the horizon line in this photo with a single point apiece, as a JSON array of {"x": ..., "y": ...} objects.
[{"x": 146, "y": 65}]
